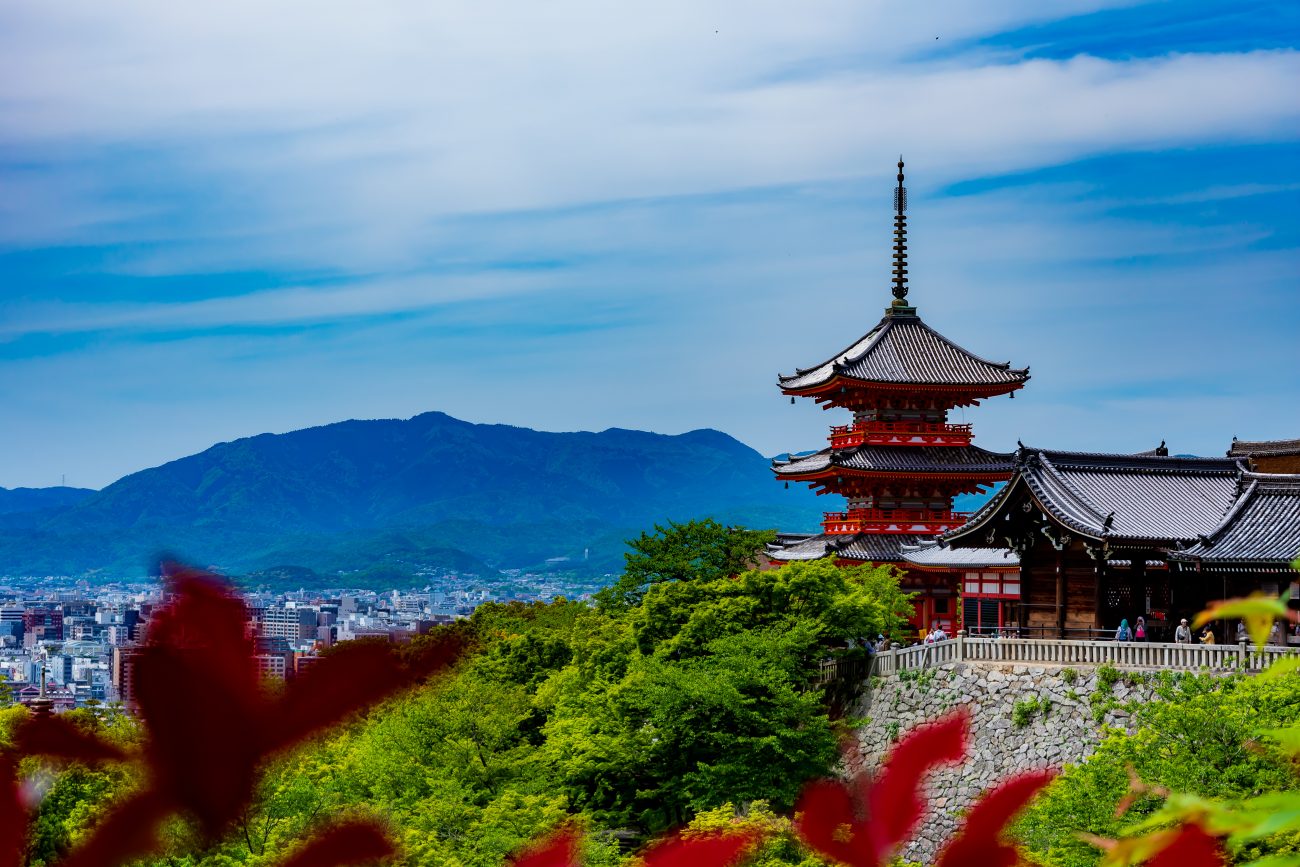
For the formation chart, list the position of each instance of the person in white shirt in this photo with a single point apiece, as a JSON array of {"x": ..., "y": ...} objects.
[{"x": 1183, "y": 634}]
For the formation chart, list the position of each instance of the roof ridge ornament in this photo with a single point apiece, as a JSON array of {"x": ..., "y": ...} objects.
[{"x": 900, "y": 307}]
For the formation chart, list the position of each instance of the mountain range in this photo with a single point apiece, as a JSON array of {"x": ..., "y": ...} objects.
[{"x": 427, "y": 492}]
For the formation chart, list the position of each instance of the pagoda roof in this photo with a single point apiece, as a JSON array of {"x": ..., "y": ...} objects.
[
  {"x": 955, "y": 460},
  {"x": 933, "y": 555},
  {"x": 868, "y": 547},
  {"x": 903, "y": 350},
  {"x": 1266, "y": 448},
  {"x": 1263, "y": 525},
  {"x": 1147, "y": 497}
]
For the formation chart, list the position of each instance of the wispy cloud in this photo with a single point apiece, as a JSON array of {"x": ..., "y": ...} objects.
[{"x": 219, "y": 220}]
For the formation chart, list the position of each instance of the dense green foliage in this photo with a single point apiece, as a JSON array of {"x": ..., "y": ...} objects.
[
  {"x": 1202, "y": 737},
  {"x": 430, "y": 490},
  {"x": 631, "y": 718}
]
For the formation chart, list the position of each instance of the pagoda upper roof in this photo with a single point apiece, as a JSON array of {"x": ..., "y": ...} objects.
[
  {"x": 1263, "y": 525},
  {"x": 903, "y": 350},
  {"x": 957, "y": 460},
  {"x": 1147, "y": 497}
]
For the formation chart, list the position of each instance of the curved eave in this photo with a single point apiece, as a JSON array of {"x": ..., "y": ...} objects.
[
  {"x": 849, "y": 472},
  {"x": 965, "y": 389}
]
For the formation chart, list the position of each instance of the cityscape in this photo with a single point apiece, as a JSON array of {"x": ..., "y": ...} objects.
[{"x": 72, "y": 642}]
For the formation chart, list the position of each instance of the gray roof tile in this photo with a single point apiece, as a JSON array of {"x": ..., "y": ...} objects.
[
  {"x": 904, "y": 350},
  {"x": 1135, "y": 497},
  {"x": 1245, "y": 448},
  {"x": 900, "y": 459},
  {"x": 941, "y": 556},
  {"x": 868, "y": 547},
  {"x": 1263, "y": 525}
]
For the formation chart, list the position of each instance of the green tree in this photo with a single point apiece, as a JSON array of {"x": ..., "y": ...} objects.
[
  {"x": 694, "y": 551},
  {"x": 1200, "y": 737}
]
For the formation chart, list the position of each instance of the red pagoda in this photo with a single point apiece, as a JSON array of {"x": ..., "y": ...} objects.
[{"x": 900, "y": 461}]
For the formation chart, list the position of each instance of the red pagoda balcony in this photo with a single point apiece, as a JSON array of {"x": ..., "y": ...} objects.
[
  {"x": 920, "y": 521},
  {"x": 900, "y": 433}
]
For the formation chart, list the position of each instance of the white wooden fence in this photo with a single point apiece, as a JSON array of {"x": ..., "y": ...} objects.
[{"x": 1037, "y": 651}]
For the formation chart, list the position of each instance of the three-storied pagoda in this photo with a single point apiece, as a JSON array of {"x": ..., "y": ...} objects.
[{"x": 901, "y": 460}]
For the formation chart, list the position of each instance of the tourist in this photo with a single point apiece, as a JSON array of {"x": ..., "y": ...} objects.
[
  {"x": 1183, "y": 634},
  {"x": 1276, "y": 636},
  {"x": 1242, "y": 635},
  {"x": 1140, "y": 630},
  {"x": 1207, "y": 636},
  {"x": 1123, "y": 633}
]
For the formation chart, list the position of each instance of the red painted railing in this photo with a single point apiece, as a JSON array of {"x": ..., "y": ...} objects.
[
  {"x": 923, "y": 521},
  {"x": 909, "y": 433}
]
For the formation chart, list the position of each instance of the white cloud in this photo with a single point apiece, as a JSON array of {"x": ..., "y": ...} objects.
[{"x": 335, "y": 138}]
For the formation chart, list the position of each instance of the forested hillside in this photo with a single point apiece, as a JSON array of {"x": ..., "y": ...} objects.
[{"x": 430, "y": 491}]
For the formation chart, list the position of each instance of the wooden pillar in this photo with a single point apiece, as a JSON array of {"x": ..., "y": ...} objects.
[
  {"x": 1022, "y": 609},
  {"x": 1138, "y": 570},
  {"x": 1062, "y": 598}
]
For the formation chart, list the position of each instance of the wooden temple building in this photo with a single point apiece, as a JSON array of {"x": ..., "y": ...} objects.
[
  {"x": 1072, "y": 544},
  {"x": 900, "y": 460},
  {"x": 1100, "y": 538}
]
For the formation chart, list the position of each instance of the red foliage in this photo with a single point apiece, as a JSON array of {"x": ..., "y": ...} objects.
[
  {"x": 559, "y": 850},
  {"x": 979, "y": 842},
  {"x": 57, "y": 738},
  {"x": 210, "y": 723},
  {"x": 1192, "y": 847},
  {"x": 13, "y": 814},
  {"x": 344, "y": 844},
  {"x": 718, "y": 849},
  {"x": 862, "y": 822}
]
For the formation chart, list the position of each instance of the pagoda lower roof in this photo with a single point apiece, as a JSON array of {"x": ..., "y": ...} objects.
[
  {"x": 1263, "y": 525},
  {"x": 932, "y": 555},
  {"x": 903, "y": 350},
  {"x": 866, "y": 547},
  {"x": 899, "y": 460},
  {"x": 1122, "y": 498}
]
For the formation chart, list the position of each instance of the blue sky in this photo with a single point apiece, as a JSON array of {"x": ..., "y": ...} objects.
[{"x": 233, "y": 218}]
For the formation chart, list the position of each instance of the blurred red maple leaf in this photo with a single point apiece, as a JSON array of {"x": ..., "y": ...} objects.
[
  {"x": 979, "y": 843},
  {"x": 862, "y": 821},
  {"x": 210, "y": 723}
]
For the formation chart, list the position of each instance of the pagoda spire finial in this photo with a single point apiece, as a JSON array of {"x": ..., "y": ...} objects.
[{"x": 900, "y": 242}]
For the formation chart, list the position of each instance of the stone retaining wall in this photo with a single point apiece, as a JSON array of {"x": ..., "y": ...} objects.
[{"x": 1066, "y": 733}]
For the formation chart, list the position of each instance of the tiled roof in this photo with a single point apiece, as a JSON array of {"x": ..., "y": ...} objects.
[
  {"x": 1263, "y": 526},
  {"x": 904, "y": 350},
  {"x": 1245, "y": 448},
  {"x": 1107, "y": 496},
  {"x": 873, "y": 547},
  {"x": 944, "y": 556},
  {"x": 900, "y": 459}
]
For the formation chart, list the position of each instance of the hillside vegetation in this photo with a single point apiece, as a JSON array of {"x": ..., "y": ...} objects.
[
  {"x": 689, "y": 687},
  {"x": 430, "y": 491}
]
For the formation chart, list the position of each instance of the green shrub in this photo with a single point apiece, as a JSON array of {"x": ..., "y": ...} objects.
[
  {"x": 1023, "y": 712},
  {"x": 1107, "y": 676},
  {"x": 1069, "y": 675}
]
